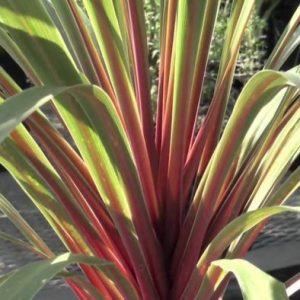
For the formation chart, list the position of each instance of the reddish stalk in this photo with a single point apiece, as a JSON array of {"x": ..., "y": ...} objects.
[
  {"x": 165, "y": 72},
  {"x": 80, "y": 293},
  {"x": 74, "y": 247},
  {"x": 112, "y": 247},
  {"x": 80, "y": 183},
  {"x": 97, "y": 279},
  {"x": 138, "y": 206},
  {"x": 95, "y": 57},
  {"x": 214, "y": 120},
  {"x": 140, "y": 215},
  {"x": 200, "y": 70},
  {"x": 65, "y": 235},
  {"x": 72, "y": 163},
  {"x": 131, "y": 117},
  {"x": 192, "y": 163},
  {"x": 240, "y": 192},
  {"x": 183, "y": 71},
  {"x": 165, "y": 147},
  {"x": 93, "y": 240},
  {"x": 141, "y": 76}
]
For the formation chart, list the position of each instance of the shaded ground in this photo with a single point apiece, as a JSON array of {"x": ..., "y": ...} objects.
[{"x": 12, "y": 256}]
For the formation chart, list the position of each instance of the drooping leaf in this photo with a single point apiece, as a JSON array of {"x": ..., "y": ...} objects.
[
  {"x": 110, "y": 139},
  {"x": 253, "y": 281},
  {"x": 256, "y": 95},
  {"x": 39, "y": 37},
  {"x": 220, "y": 243},
  {"x": 25, "y": 283},
  {"x": 28, "y": 177}
]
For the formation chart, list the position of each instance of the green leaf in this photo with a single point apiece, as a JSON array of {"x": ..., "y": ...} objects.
[
  {"x": 28, "y": 177},
  {"x": 253, "y": 282},
  {"x": 220, "y": 243},
  {"x": 241, "y": 129},
  {"x": 64, "y": 20},
  {"x": 32, "y": 29},
  {"x": 27, "y": 281},
  {"x": 287, "y": 43},
  {"x": 104, "y": 21},
  {"x": 277, "y": 161},
  {"x": 19, "y": 243},
  {"x": 241, "y": 11},
  {"x": 191, "y": 23},
  {"x": 18, "y": 56},
  {"x": 237, "y": 227},
  {"x": 28, "y": 232},
  {"x": 278, "y": 197},
  {"x": 115, "y": 175},
  {"x": 250, "y": 109}
]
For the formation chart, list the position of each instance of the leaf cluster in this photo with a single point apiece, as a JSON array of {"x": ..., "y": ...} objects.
[{"x": 149, "y": 204}]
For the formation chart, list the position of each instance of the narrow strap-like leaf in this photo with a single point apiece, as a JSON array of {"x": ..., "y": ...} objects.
[
  {"x": 241, "y": 11},
  {"x": 232, "y": 231},
  {"x": 76, "y": 170},
  {"x": 20, "y": 243},
  {"x": 169, "y": 10},
  {"x": 278, "y": 197},
  {"x": 28, "y": 232},
  {"x": 288, "y": 41},
  {"x": 65, "y": 21},
  {"x": 109, "y": 152},
  {"x": 101, "y": 13},
  {"x": 190, "y": 17},
  {"x": 267, "y": 84},
  {"x": 271, "y": 153},
  {"x": 12, "y": 48},
  {"x": 28, "y": 280},
  {"x": 141, "y": 70},
  {"x": 251, "y": 280},
  {"x": 38, "y": 36}
]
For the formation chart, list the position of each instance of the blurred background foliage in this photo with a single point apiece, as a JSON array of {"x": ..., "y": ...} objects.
[
  {"x": 268, "y": 19},
  {"x": 252, "y": 54},
  {"x": 265, "y": 26}
]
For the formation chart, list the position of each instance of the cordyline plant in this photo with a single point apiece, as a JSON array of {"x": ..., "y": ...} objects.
[{"x": 148, "y": 209}]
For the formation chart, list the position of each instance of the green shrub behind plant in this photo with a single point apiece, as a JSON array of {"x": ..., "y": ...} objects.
[{"x": 251, "y": 57}]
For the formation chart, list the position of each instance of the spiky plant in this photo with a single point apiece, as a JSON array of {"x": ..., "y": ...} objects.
[{"x": 160, "y": 209}]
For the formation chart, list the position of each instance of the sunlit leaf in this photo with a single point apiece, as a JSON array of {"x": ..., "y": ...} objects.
[
  {"x": 25, "y": 283},
  {"x": 253, "y": 281}
]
